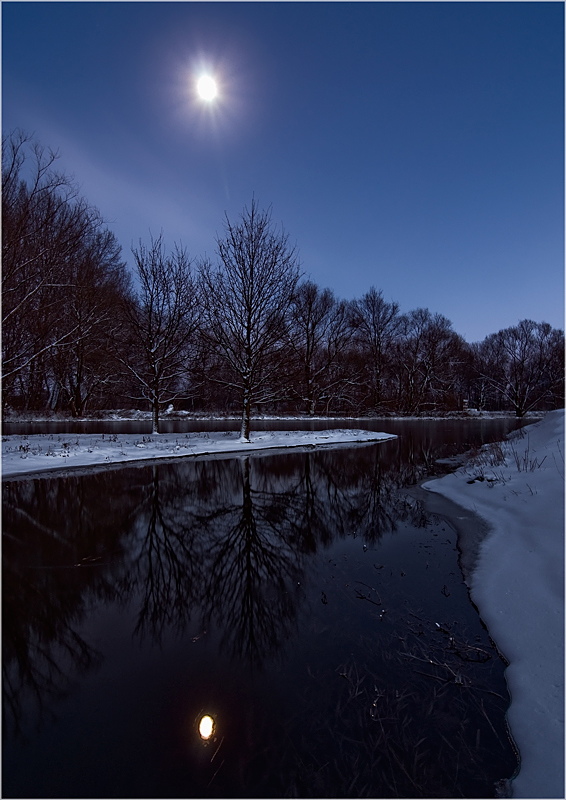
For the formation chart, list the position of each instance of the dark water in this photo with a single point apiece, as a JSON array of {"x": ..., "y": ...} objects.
[
  {"x": 455, "y": 428},
  {"x": 303, "y": 600}
]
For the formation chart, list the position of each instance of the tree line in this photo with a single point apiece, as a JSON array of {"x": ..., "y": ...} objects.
[{"x": 243, "y": 334}]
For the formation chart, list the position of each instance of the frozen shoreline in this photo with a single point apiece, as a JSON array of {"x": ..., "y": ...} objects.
[
  {"x": 517, "y": 583},
  {"x": 190, "y": 416},
  {"x": 39, "y": 453}
]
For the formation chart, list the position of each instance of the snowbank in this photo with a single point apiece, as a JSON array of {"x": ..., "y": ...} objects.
[
  {"x": 135, "y": 415},
  {"x": 518, "y": 585},
  {"x": 26, "y": 454}
]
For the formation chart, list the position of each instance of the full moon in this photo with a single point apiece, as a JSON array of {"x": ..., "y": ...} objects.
[
  {"x": 206, "y": 726},
  {"x": 206, "y": 87}
]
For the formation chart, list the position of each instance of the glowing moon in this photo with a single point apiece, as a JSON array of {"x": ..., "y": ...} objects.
[
  {"x": 205, "y": 727},
  {"x": 206, "y": 87}
]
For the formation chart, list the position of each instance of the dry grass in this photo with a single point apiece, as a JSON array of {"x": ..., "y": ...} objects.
[{"x": 415, "y": 718}]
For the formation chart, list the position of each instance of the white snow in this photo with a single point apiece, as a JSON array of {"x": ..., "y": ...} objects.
[
  {"x": 172, "y": 414},
  {"x": 38, "y": 453},
  {"x": 518, "y": 587}
]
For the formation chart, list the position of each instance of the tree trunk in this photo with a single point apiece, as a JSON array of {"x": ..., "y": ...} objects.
[
  {"x": 155, "y": 420},
  {"x": 377, "y": 388},
  {"x": 246, "y": 413},
  {"x": 77, "y": 403}
]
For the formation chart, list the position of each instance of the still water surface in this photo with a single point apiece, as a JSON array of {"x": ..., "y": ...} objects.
[{"x": 302, "y": 600}]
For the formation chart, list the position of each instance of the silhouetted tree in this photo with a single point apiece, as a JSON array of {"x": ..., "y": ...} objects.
[
  {"x": 48, "y": 235},
  {"x": 92, "y": 308},
  {"x": 161, "y": 321},
  {"x": 523, "y": 364},
  {"x": 427, "y": 359},
  {"x": 377, "y": 324},
  {"x": 319, "y": 332},
  {"x": 245, "y": 307}
]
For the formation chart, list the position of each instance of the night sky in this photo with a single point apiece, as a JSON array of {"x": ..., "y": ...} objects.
[{"x": 415, "y": 147}]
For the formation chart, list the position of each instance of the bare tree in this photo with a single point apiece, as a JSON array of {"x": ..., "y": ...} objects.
[
  {"x": 99, "y": 282},
  {"x": 319, "y": 332},
  {"x": 524, "y": 364},
  {"x": 161, "y": 321},
  {"x": 428, "y": 357},
  {"x": 377, "y": 324},
  {"x": 46, "y": 230},
  {"x": 245, "y": 306}
]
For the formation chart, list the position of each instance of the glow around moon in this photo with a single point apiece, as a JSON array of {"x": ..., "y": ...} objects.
[{"x": 206, "y": 88}]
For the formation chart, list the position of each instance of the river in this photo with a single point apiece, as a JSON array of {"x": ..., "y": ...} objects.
[{"x": 306, "y": 602}]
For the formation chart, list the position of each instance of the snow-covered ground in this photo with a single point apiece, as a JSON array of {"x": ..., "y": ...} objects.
[
  {"x": 518, "y": 586},
  {"x": 42, "y": 452},
  {"x": 130, "y": 415}
]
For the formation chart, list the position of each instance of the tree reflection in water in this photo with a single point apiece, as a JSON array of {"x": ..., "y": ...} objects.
[
  {"x": 245, "y": 549},
  {"x": 165, "y": 571},
  {"x": 55, "y": 554},
  {"x": 210, "y": 541},
  {"x": 251, "y": 571}
]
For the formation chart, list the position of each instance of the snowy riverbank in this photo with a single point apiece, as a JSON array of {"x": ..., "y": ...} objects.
[
  {"x": 135, "y": 415},
  {"x": 518, "y": 586},
  {"x": 45, "y": 452}
]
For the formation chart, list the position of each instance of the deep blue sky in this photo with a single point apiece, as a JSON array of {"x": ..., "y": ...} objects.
[{"x": 416, "y": 147}]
